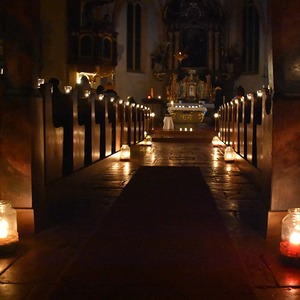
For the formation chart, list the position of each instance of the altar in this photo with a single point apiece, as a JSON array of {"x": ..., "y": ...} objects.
[
  {"x": 187, "y": 95},
  {"x": 190, "y": 61},
  {"x": 187, "y": 116}
]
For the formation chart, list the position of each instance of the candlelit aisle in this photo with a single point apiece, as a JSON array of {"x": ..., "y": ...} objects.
[{"x": 163, "y": 239}]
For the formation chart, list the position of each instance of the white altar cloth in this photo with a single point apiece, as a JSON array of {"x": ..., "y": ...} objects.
[{"x": 168, "y": 123}]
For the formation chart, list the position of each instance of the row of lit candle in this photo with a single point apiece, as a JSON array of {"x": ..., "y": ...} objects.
[
  {"x": 185, "y": 129},
  {"x": 229, "y": 153},
  {"x": 290, "y": 230},
  {"x": 189, "y": 106}
]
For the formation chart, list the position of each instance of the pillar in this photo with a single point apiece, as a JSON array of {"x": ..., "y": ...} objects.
[
  {"x": 170, "y": 51},
  {"x": 177, "y": 49},
  {"x": 217, "y": 50},
  {"x": 210, "y": 50}
]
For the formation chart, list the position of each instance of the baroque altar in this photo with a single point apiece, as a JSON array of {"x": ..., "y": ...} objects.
[
  {"x": 192, "y": 52},
  {"x": 187, "y": 97},
  {"x": 191, "y": 88}
]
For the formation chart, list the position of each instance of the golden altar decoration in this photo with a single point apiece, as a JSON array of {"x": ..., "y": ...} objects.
[
  {"x": 187, "y": 113},
  {"x": 190, "y": 88}
]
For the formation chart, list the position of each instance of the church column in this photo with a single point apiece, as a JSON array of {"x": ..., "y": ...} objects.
[
  {"x": 21, "y": 112},
  {"x": 176, "y": 50},
  {"x": 210, "y": 50},
  {"x": 217, "y": 50},
  {"x": 170, "y": 51}
]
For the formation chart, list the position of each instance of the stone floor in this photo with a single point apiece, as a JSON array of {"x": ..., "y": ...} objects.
[{"x": 81, "y": 200}]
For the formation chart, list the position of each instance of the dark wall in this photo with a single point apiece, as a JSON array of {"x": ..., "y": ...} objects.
[{"x": 286, "y": 47}]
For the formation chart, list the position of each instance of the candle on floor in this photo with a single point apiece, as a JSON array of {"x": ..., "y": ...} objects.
[
  {"x": 215, "y": 141},
  {"x": 229, "y": 154},
  {"x": 290, "y": 234},
  {"x": 125, "y": 152},
  {"x": 8, "y": 225}
]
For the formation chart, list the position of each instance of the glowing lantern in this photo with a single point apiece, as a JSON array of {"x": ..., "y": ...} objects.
[
  {"x": 87, "y": 93},
  {"x": 40, "y": 82},
  {"x": 229, "y": 154},
  {"x": 290, "y": 234},
  {"x": 125, "y": 152},
  {"x": 215, "y": 141},
  {"x": 216, "y": 116},
  {"x": 259, "y": 93},
  {"x": 67, "y": 89},
  {"x": 8, "y": 225},
  {"x": 148, "y": 140}
]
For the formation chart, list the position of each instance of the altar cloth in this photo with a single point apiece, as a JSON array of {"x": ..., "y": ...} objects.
[{"x": 168, "y": 123}]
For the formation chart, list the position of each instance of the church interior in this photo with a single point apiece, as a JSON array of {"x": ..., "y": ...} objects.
[{"x": 83, "y": 81}]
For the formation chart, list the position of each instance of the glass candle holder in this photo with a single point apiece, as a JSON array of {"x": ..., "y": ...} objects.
[
  {"x": 8, "y": 225},
  {"x": 229, "y": 154},
  {"x": 148, "y": 140},
  {"x": 290, "y": 234},
  {"x": 125, "y": 152},
  {"x": 215, "y": 141}
]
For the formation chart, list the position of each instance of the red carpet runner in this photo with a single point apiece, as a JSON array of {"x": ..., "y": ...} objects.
[{"x": 163, "y": 239}]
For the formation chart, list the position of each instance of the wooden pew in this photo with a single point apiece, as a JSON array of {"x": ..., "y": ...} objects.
[
  {"x": 95, "y": 129},
  {"x": 54, "y": 133},
  {"x": 134, "y": 123},
  {"x": 118, "y": 127},
  {"x": 78, "y": 133},
  {"x": 108, "y": 125}
]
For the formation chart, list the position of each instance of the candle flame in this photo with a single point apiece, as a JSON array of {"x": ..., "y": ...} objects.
[
  {"x": 3, "y": 229},
  {"x": 295, "y": 238}
]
